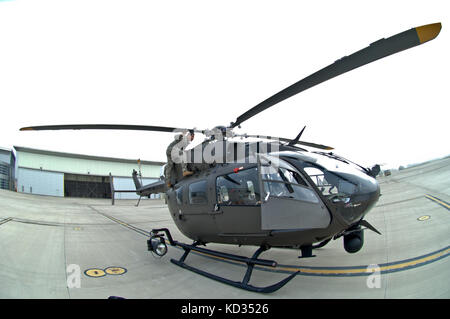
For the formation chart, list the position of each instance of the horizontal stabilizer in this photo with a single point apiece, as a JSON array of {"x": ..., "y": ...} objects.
[
  {"x": 147, "y": 190},
  {"x": 153, "y": 188}
]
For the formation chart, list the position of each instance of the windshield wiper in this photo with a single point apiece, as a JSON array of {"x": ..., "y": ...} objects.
[
  {"x": 228, "y": 178},
  {"x": 339, "y": 158},
  {"x": 334, "y": 156}
]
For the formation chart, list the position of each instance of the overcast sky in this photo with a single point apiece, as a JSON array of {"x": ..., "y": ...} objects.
[{"x": 203, "y": 63}]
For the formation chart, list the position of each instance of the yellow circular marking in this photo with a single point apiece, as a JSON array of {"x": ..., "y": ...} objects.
[
  {"x": 115, "y": 270},
  {"x": 94, "y": 272},
  {"x": 422, "y": 218}
]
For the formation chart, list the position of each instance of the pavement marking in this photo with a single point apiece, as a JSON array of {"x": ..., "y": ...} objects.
[
  {"x": 423, "y": 218},
  {"x": 115, "y": 270},
  {"x": 95, "y": 272},
  {"x": 322, "y": 271},
  {"x": 350, "y": 270},
  {"x": 118, "y": 221},
  {"x": 365, "y": 270},
  {"x": 4, "y": 221},
  {"x": 400, "y": 201},
  {"x": 36, "y": 222},
  {"x": 438, "y": 201}
]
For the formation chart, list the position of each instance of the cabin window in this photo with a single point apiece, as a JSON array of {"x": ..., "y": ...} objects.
[
  {"x": 239, "y": 188},
  {"x": 197, "y": 193},
  {"x": 284, "y": 183}
]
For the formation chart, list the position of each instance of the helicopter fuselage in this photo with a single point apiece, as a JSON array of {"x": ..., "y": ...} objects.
[{"x": 289, "y": 198}]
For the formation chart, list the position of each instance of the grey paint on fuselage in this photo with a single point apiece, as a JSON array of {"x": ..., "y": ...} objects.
[{"x": 210, "y": 222}]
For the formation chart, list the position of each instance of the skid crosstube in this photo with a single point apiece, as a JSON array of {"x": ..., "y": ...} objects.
[{"x": 251, "y": 262}]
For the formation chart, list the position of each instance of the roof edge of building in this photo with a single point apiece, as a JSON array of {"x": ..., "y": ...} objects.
[{"x": 83, "y": 156}]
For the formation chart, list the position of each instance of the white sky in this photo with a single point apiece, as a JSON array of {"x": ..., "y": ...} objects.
[{"x": 203, "y": 63}]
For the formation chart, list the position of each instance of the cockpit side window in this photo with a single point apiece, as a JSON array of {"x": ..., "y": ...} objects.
[
  {"x": 197, "y": 193},
  {"x": 179, "y": 196},
  {"x": 238, "y": 188}
]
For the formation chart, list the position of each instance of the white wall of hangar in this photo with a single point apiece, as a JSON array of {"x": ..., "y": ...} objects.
[
  {"x": 83, "y": 164},
  {"x": 64, "y": 174}
]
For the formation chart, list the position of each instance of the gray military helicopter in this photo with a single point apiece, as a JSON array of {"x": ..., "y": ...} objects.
[{"x": 272, "y": 192}]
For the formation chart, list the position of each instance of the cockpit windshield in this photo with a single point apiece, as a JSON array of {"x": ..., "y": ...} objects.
[
  {"x": 329, "y": 183},
  {"x": 343, "y": 184},
  {"x": 335, "y": 178}
]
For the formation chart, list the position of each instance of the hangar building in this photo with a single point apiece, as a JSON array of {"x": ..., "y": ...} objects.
[{"x": 74, "y": 175}]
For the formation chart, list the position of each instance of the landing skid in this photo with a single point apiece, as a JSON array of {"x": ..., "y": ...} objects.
[{"x": 251, "y": 262}]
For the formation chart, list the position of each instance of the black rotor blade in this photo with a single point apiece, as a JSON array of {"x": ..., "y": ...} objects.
[
  {"x": 315, "y": 145},
  {"x": 297, "y": 138},
  {"x": 288, "y": 140},
  {"x": 377, "y": 50},
  {"x": 107, "y": 127}
]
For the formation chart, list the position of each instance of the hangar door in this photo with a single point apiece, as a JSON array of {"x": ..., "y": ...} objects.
[
  {"x": 4, "y": 175},
  {"x": 86, "y": 186}
]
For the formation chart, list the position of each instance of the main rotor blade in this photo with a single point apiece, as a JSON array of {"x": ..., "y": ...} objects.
[
  {"x": 297, "y": 138},
  {"x": 288, "y": 140},
  {"x": 319, "y": 146},
  {"x": 377, "y": 50},
  {"x": 107, "y": 127}
]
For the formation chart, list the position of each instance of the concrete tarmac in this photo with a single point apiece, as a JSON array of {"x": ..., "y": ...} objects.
[{"x": 85, "y": 248}]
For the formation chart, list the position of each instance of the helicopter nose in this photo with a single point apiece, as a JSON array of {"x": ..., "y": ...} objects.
[
  {"x": 361, "y": 202},
  {"x": 373, "y": 194}
]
